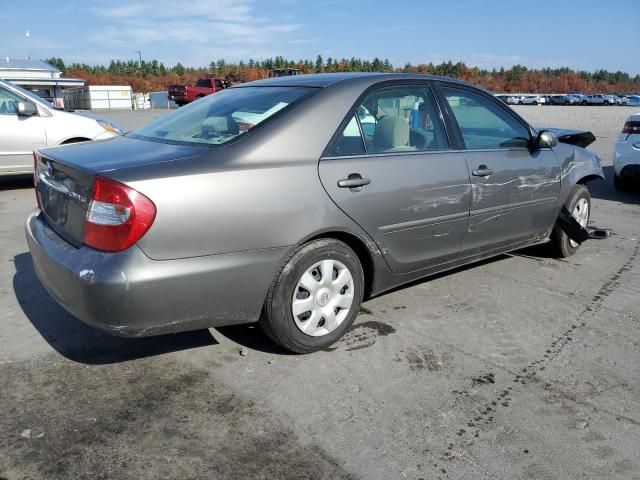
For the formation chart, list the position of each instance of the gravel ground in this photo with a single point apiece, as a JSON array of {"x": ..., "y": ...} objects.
[{"x": 522, "y": 367}]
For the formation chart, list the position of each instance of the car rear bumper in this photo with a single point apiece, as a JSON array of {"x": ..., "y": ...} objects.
[
  {"x": 128, "y": 294},
  {"x": 630, "y": 172},
  {"x": 626, "y": 158}
]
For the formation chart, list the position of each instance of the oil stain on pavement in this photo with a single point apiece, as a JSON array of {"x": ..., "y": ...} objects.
[{"x": 147, "y": 418}]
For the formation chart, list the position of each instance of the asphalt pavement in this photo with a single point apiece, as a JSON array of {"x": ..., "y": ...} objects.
[{"x": 521, "y": 367}]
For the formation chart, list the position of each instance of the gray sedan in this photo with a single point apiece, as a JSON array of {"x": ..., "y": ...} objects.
[{"x": 290, "y": 200}]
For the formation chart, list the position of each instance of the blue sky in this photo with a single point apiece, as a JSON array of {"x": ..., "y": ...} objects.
[{"x": 586, "y": 34}]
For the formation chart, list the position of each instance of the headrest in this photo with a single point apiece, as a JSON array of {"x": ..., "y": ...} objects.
[{"x": 213, "y": 125}]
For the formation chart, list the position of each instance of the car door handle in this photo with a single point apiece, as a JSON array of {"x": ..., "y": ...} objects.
[
  {"x": 482, "y": 171},
  {"x": 354, "y": 181}
]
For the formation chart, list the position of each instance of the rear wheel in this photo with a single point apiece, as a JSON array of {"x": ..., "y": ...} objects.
[
  {"x": 315, "y": 297},
  {"x": 621, "y": 183},
  {"x": 579, "y": 204}
]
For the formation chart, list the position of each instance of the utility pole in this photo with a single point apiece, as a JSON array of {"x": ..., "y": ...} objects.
[{"x": 139, "y": 56}]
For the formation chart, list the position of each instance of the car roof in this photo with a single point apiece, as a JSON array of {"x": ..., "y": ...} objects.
[{"x": 324, "y": 80}]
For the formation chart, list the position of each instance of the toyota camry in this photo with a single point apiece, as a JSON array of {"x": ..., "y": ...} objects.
[{"x": 289, "y": 201}]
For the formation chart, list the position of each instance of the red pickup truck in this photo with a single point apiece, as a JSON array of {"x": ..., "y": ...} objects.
[{"x": 183, "y": 94}]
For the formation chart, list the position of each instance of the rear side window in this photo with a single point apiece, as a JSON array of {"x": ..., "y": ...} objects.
[
  {"x": 393, "y": 119},
  {"x": 203, "y": 83},
  {"x": 349, "y": 142},
  {"x": 483, "y": 123}
]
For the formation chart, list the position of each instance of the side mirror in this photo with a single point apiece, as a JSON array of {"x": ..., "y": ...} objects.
[
  {"x": 27, "y": 109},
  {"x": 547, "y": 139}
]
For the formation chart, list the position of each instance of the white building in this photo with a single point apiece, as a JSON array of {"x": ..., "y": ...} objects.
[{"x": 37, "y": 76}]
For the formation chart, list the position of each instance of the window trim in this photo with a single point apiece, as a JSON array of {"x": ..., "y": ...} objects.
[
  {"x": 426, "y": 84},
  {"x": 456, "y": 127}
]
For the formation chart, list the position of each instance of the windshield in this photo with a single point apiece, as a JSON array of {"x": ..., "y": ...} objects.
[{"x": 222, "y": 117}]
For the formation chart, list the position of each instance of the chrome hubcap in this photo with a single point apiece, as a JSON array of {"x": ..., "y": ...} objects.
[
  {"x": 581, "y": 214},
  {"x": 322, "y": 298}
]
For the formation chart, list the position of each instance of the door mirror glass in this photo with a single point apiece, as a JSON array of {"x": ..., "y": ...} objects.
[
  {"x": 547, "y": 139},
  {"x": 27, "y": 109}
]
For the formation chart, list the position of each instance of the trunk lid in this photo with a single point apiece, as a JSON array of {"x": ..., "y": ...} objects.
[
  {"x": 65, "y": 175},
  {"x": 63, "y": 195}
]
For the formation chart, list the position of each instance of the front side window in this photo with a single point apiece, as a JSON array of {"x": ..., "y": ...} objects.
[
  {"x": 220, "y": 118},
  {"x": 483, "y": 123},
  {"x": 8, "y": 102},
  {"x": 393, "y": 119}
]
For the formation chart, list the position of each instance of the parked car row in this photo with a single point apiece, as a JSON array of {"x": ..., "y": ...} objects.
[{"x": 570, "y": 99}]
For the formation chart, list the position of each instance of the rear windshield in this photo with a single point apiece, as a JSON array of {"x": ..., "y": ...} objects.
[{"x": 223, "y": 116}]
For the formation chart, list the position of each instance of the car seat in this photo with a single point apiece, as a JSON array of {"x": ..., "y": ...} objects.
[{"x": 391, "y": 135}]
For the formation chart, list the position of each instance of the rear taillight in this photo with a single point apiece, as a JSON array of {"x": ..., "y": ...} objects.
[
  {"x": 631, "y": 127},
  {"x": 118, "y": 216}
]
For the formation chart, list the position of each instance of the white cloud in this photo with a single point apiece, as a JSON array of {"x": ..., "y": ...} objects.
[{"x": 232, "y": 29}]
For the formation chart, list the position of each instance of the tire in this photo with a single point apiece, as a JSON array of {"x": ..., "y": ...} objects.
[
  {"x": 520, "y": 102},
  {"x": 621, "y": 184},
  {"x": 535, "y": 103},
  {"x": 75, "y": 140},
  {"x": 584, "y": 103},
  {"x": 309, "y": 261},
  {"x": 566, "y": 103},
  {"x": 560, "y": 246}
]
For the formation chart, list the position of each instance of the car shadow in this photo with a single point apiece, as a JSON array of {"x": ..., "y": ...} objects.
[
  {"x": 16, "y": 182},
  {"x": 251, "y": 336},
  {"x": 604, "y": 189},
  {"x": 81, "y": 343}
]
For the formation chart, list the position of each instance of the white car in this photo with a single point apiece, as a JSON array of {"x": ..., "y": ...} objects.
[
  {"x": 626, "y": 155},
  {"x": 622, "y": 100},
  {"x": 532, "y": 100},
  {"x": 28, "y": 122}
]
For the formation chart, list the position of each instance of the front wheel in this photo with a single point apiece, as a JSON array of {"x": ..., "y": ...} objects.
[
  {"x": 315, "y": 297},
  {"x": 579, "y": 205}
]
